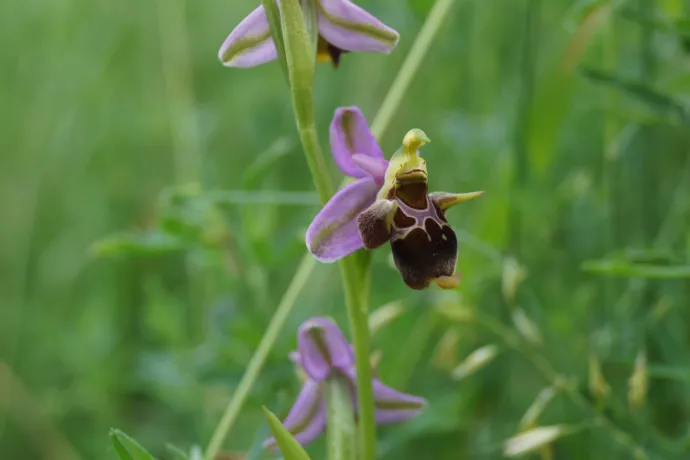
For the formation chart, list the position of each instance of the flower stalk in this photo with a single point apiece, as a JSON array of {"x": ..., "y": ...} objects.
[
  {"x": 300, "y": 64},
  {"x": 384, "y": 116},
  {"x": 340, "y": 422}
]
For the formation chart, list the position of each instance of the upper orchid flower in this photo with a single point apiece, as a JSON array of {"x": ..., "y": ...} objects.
[
  {"x": 324, "y": 355},
  {"x": 343, "y": 26},
  {"x": 389, "y": 201}
]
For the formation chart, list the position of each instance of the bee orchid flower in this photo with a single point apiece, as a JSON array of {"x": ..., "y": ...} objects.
[
  {"x": 343, "y": 26},
  {"x": 324, "y": 355},
  {"x": 388, "y": 202}
]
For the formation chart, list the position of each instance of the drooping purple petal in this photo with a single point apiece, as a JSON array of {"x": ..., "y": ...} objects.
[
  {"x": 307, "y": 418},
  {"x": 350, "y": 134},
  {"x": 322, "y": 348},
  {"x": 391, "y": 406},
  {"x": 350, "y": 28},
  {"x": 333, "y": 233},
  {"x": 375, "y": 167},
  {"x": 250, "y": 44}
]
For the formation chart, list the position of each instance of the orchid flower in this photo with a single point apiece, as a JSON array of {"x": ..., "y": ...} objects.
[
  {"x": 324, "y": 354},
  {"x": 343, "y": 26},
  {"x": 388, "y": 201}
]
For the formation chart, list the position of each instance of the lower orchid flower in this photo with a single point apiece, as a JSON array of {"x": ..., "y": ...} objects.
[
  {"x": 389, "y": 201},
  {"x": 325, "y": 355}
]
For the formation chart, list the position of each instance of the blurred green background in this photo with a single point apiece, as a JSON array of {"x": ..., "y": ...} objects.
[{"x": 573, "y": 116}]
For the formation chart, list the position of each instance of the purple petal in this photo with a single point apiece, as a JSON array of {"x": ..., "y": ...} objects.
[
  {"x": 350, "y": 135},
  {"x": 323, "y": 347},
  {"x": 391, "y": 406},
  {"x": 333, "y": 233},
  {"x": 250, "y": 44},
  {"x": 295, "y": 358},
  {"x": 349, "y": 27},
  {"x": 307, "y": 418},
  {"x": 375, "y": 167}
]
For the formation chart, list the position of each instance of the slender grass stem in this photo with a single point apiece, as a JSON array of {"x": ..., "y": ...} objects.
[
  {"x": 420, "y": 47},
  {"x": 269, "y": 338}
]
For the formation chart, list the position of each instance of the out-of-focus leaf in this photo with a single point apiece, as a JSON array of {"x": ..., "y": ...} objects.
[
  {"x": 144, "y": 243},
  {"x": 624, "y": 268},
  {"x": 177, "y": 453},
  {"x": 267, "y": 197},
  {"x": 534, "y": 411},
  {"x": 554, "y": 92},
  {"x": 651, "y": 256},
  {"x": 532, "y": 440},
  {"x": 476, "y": 360},
  {"x": 384, "y": 315},
  {"x": 638, "y": 90},
  {"x": 127, "y": 448},
  {"x": 638, "y": 383},
  {"x": 266, "y": 160},
  {"x": 680, "y": 27},
  {"x": 581, "y": 10},
  {"x": 288, "y": 445}
]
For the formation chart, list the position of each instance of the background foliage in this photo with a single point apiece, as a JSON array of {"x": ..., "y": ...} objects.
[{"x": 573, "y": 118}]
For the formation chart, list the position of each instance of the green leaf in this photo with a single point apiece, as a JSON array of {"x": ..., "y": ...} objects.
[
  {"x": 679, "y": 27},
  {"x": 176, "y": 452},
  {"x": 273, "y": 16},
  {"x": 144, "y": 243},
  {"x": 341, "y": 421},
  {"x": 288, "y": 445},
  {"x": 638, "y": 90},
  {"x": 127, "y": 448},
  {"x": 626, "y": 269}
]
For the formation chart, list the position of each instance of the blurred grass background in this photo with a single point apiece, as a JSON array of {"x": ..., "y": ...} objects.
[{"x": 573, "y": 116}]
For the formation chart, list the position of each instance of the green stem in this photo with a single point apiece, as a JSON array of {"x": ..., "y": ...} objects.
[
  {"x": 340, "y": 426},
  {"x": 316, "y": 162},
  {"x": 358, "y": 314}
]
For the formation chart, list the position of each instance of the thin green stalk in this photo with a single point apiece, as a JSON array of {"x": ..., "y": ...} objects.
[
  {"x": 340, "y": 425},
  {"x": 300, "y": 64},
  {"x": 316, "y": 162},
  {"x": 382, "y": 121},
  {"x": 231, "y": 413},
  {"x": 414, "y": 58},
  {"x": 522, "y": 128},
  {"x": 358, "y": 314}
]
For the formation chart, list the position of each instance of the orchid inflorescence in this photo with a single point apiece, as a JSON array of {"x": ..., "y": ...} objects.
[{"x": 387, "y": 201}]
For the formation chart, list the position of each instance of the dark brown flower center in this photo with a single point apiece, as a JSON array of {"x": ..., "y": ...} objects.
[{"x": 326, "y": 52}]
